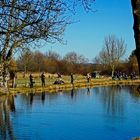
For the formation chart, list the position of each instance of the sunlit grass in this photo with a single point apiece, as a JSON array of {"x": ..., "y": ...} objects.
[
  {"x": 80, "y": 81},
  {"x": 50, "y": 79}
]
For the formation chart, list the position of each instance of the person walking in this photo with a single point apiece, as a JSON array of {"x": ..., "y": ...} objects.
[{"x": 43, "y": 79}]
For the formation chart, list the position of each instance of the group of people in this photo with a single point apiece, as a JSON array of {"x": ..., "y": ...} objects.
[
  {"x": 32, "y": 82},
  {"x": 58, "y": 81},
  {"x": 122, "y": 75}
]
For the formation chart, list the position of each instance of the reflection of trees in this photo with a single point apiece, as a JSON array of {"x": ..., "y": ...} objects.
[
  {"x": 29, "y": 99},
  {"x": 135, "y": 91},
  {"x": 71, "y": 93},
  {"x": 6, "y": 106},
  {"x": 112, "y": 100},
  {"x": 2, "y": 123}
]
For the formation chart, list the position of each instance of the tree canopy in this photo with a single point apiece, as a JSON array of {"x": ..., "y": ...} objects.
[{"x": 24, "y": 22}]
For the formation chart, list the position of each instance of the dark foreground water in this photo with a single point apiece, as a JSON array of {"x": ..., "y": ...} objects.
[{"x": 104, "y": 113}]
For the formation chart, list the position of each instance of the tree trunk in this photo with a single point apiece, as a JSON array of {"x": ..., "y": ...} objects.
[
  {"x": 4, "y": 74},
  {"x": 113, "y": 69},
  {"x": 136, "y": 15}
]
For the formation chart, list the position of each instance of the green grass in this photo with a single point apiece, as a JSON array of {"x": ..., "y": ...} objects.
[
  {"x": 20, "y": 81},
  {"x": 79, "y": 82}
]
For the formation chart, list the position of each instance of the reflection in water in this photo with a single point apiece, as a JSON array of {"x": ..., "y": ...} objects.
[
  {"x": 31, "y": 98},
  {"x": 135, "y": 91},
  {"x": 6, "y": 106},
  {"x": 72, "y": 93},
  {"x": 109, "y": 100},
  {"x": 88, "y": 91},
  {"x": 43, "y": 97},
  {"x": 138, "y": 88},
  {"x": 112, "y": 100},
  {"x": 11, "y": 103}
]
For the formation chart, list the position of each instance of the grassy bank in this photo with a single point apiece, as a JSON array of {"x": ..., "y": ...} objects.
[
  {"x": 79, "y": 82},
  {"x": 67, "y": 86}
]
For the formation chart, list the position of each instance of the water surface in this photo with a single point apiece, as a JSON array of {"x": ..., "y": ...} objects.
[{"x": 95, "y": 114}]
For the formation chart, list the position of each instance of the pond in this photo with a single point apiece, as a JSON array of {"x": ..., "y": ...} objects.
[{"x": 102, "y": 113}]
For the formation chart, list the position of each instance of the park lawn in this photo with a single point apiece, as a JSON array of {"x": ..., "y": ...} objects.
[
  {"x": 80, "y": 81},
  {"x": 50, "y": 79}
]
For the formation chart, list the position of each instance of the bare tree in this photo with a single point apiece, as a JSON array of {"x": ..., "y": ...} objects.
[
  {"x": 25, "y": 60},
  {"x": 39, "y": 61},
  {"x": 53, "y": 55},
  {"x": 73, "y": 57},
  {"x": 112, "y": 51},
  {"x": 23, "y": 22},
  {"x": 136, "y": 15}
]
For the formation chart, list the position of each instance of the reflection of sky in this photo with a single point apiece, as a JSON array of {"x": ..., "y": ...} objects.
[
  {"x": 86, "y": 36},
  {"x": 104, "y": 113}
]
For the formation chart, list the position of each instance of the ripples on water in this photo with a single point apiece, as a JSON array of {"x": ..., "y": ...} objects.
[{"x": 99, "y": 113}]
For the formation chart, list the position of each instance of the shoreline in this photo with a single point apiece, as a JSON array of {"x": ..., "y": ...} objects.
[{"x": 68, "y": 86}]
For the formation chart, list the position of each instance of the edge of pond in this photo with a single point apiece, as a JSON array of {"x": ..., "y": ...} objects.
[{"x": 68, "y": 86}]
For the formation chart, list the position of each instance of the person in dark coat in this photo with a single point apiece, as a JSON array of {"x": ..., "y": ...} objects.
[
  {"x": 12, "y": 77},
  {"x": 43, "y": 79},
  {"x": 72, "y": 79},
  {"x": 31, "y": 80}
]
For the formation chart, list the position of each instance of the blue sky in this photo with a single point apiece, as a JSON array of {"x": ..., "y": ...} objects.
[{"x": 86, "y": 36}]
